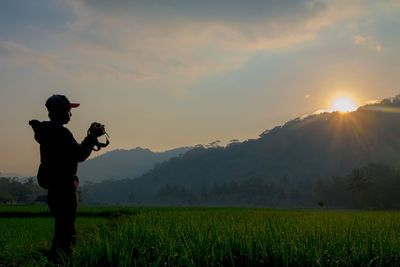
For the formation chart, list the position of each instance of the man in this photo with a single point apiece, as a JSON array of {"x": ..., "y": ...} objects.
[{"x": 59, "y": 156}]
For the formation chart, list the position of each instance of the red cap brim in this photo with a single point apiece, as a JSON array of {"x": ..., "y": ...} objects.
[{"x": 73, "y": 105}]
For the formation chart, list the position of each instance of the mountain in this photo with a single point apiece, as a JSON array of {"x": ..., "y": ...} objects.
[
  {"x": 283, "y": 160},
  {"x": 120, "y": 164},
  {"x": 11, "y": 175}
]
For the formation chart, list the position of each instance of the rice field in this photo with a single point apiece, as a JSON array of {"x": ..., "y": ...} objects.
[{"x": 112, "y": 236}]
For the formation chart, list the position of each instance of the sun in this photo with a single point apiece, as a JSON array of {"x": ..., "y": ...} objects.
[{"x": 344, "y": 105}]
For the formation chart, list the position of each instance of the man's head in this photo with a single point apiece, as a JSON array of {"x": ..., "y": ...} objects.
[{"x": 59, "y": 108}]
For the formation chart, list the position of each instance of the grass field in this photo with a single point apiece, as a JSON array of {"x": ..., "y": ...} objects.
[{"x": 110, "y": 236}]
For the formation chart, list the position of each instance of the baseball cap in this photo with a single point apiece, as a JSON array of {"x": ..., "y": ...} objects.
[{"x": 59, "y": 101}]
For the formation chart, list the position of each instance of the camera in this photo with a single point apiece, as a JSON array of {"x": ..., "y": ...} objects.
[{"x": 97, "y": 129}]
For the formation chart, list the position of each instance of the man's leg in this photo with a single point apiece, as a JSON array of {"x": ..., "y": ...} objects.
[
  {"x": 63, "y": 207},
  {"x": 71, "y": 220},
  {"x": 52, "y": 202}
]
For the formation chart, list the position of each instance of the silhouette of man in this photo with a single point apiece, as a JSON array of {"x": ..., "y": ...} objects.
[{"x": 59, "y": 156}]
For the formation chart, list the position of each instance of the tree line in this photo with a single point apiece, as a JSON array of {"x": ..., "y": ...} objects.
[
  {"x": 12, "y": 191},
  {"x": 375, "y": 186}
]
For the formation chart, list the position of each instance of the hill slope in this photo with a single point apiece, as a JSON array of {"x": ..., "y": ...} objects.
[
  {"x": 321, "y": 145},
  {"x": 120, "y": 164}
]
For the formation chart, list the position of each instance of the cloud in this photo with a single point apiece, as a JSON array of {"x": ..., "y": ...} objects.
[
  {"x": 389, "y": 8},
  {"x": 367, "y": 41},
  {"x": 33, "y": 21},
  {"x": 256, "y": 25},
  {"x": 193, "y": 38},
  {"x": 19, "y": 55},
  {"x": 169, "y": 40}
]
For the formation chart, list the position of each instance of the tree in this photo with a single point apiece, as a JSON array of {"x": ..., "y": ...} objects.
[
  {"x": 132, "y": 199},
  {"x": 214, "y": 144},
  {"x": 5, "y": 198},
  {"x": 357, "y": 184}
]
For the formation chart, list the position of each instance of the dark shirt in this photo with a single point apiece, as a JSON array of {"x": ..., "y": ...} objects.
[{"x": 60, "y": 152}]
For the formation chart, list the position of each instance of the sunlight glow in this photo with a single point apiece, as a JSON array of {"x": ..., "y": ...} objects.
[{"x": 344, "y": 105}]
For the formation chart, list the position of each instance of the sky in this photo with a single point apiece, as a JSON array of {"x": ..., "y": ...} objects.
[{"x": 165, "y": 74}]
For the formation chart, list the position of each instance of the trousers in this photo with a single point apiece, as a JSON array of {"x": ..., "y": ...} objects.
[{"x": 63, "y": 204}]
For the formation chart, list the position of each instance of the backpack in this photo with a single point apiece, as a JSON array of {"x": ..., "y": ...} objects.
[{"x": 43, "y": 177}]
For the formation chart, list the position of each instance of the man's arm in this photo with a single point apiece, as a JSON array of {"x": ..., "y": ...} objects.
[{"x": 79, "y": 152}]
